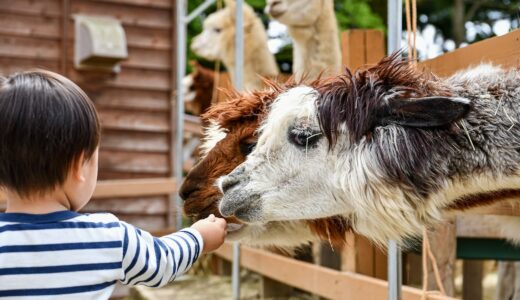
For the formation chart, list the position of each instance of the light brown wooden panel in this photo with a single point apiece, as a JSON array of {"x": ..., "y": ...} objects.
[
  {"x": 147, "y": 3},
  {"x": 130, "y": 206},
  {"x": 141, "y": 37},
  {"x": 132, "y": 120},
  {"x": 148, "y": 59},
  {"x": 503, "y": 50},
  {"x": 128, "y": 78},
  {"x": 116, "y": 175},
  {"x": 134, "y": 187},
  {"x": 30, "y": 48},
  {"x": 375, "y": 50},
  {"x": 12, "y": 65},
  {"x": 30, "y": 26},
  {"x": 116, "y": 98},
  {"x": 148, "y": 223},
  {"x": 128, "y": 15},
  {"x": 148, "y": 37},
  {"x": 135, "y": 141},
  {"x": 134, "y": 162},
  {"x": 154, "y": 59},
  {"x": 318, "y": 280},
  {"x": 32, "y": 7},
  {"x": 353, "y": 48},
  {"x": 130, "y": 187}
]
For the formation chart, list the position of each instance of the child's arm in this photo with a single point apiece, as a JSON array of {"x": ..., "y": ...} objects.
[{"x": 156, "y": 261}]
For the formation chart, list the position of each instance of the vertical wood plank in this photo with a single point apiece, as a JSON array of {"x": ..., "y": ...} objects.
[
  {"x": 443, "y": 241},
  {"x": 353, "y": 45},
  {"x": 472, "y": 271},
  {"x": 375, "y": 46}
]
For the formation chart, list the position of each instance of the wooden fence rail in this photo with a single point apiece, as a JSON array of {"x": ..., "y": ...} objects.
[{"x": 315, "y": 279}]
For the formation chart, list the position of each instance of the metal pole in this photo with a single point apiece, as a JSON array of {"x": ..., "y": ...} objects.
[
  {"x": 181, "y": 11},
  {"x": 197, "y": 11},
  {"x": 395, "y": 30},
  {"x": 239, "y": 84}
]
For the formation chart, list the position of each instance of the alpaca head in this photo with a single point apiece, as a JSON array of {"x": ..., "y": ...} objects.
[
  {"x": 346, "y": 147},
  {"x": 197, "y": 88},
  {"x": 216, "y": 42},
  {"x": 294, "y": 12},
  {"x": 229, "y": 138}
]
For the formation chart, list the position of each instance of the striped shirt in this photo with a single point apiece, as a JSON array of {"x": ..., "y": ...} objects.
[{"x": 67, "y": 255}]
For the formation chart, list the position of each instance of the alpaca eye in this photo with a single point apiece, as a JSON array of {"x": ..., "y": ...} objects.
[
  {"x": 217, "y": 30},
  {"x": 304, "y": 138},
  {"x": 247, "y": 148}
]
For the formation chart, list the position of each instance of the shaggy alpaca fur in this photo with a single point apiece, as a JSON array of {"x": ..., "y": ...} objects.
[
  {"x": 229, "y": 138},
  {"x": 217, "y": 42},
  {"x": 198, "y": 89},
  {"x": 389, "y": 148},
  {"x": 313, "y": 27}
]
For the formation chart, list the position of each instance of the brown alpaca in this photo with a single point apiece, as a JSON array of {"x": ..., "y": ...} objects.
[
  {"x": 239, "y": 118},
  {"x": 198, "y": 89}
]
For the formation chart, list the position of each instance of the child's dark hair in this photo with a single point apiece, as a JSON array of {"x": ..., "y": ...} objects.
[{"x": 46, "y": 123}]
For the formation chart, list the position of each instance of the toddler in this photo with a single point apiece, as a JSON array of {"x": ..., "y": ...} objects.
[{"x": 49, "y": 138}]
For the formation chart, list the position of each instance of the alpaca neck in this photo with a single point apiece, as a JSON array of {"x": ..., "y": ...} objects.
[
  {"x": 488, "y": 166},
  {"x": 316, "y": 47},
  {"x": 258, "y": 60}
]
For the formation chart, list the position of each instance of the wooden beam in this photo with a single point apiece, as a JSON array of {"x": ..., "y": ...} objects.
[
  {"x": 502, "y": 50},
  {"x": 315, "y": 279},
  {"x": 475, "y": 226},
  {"x": 134, "y": 187},
  {"x": 130, "y": 188}
]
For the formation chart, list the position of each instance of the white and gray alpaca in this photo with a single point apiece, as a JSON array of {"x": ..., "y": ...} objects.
[
  {"x": 314, "y": 30},
  {"x": 390, "y": 148}
]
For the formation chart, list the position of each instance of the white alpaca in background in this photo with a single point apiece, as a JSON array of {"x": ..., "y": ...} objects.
[
  {"x": 217, "y": 42},
  {"x": 313, "y": 27}
]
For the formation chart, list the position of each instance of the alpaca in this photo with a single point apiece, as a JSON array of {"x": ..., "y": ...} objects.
[
  {"x": 217, "y": 42},
  {"x": 314, "y": 30},
  {"x": 229, "y": 138},
  {"x": 198, "y": 89},
  {"x": 390, "y": 148}
]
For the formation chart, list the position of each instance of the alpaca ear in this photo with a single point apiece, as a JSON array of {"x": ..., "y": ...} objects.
[
  {"x": 424, "y": 112},
  {"x": 231, "y": 4}
]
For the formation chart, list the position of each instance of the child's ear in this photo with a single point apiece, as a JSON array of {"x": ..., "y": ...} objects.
[{"x": 77, "y": 167}]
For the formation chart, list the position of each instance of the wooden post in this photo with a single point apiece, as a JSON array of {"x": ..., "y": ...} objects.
[
  {"x": 472, "y": 279},
  {"x": 362, "y": 47},
  {"x": 443, "y": 242}
]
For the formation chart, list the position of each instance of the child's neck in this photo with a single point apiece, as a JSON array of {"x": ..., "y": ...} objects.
[{"x": 37, "y": 203}]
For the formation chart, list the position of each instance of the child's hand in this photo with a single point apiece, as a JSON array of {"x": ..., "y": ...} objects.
[{"x": 213, "y": 231}]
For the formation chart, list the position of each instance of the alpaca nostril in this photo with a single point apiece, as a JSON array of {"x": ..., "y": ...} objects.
[
  {"x": 228, "y": 183},
  {"x": 187, "y": 189},
  {"x": 271, "y": 5}
]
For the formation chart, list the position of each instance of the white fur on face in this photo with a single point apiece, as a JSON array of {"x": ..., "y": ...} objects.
[
  {"x": 211, "y": 41},
  {"x": 187, "y": 82},
  {"x": 280, "y": 181},
  {"x": 279, "y": 234},
  {"x": 294, "y": 12}
]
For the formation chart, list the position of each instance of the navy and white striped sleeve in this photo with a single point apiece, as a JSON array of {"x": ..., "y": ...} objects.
[{"x": 154, "y": 262}]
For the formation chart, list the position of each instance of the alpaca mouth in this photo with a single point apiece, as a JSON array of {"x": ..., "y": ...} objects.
[
  {"x": 232, "y": 227},
  {"x": 276, "y": 13}
]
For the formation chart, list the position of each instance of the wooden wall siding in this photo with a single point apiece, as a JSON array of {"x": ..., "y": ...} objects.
[{"x": 134, "y": 105}]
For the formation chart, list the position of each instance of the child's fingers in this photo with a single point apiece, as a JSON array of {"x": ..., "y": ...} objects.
[
  {"x": 211, "y": 218},
  {"x": 221, "y": 222}
]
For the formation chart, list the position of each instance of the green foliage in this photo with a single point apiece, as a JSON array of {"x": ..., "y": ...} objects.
[{"x": 357, "y": 14}]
